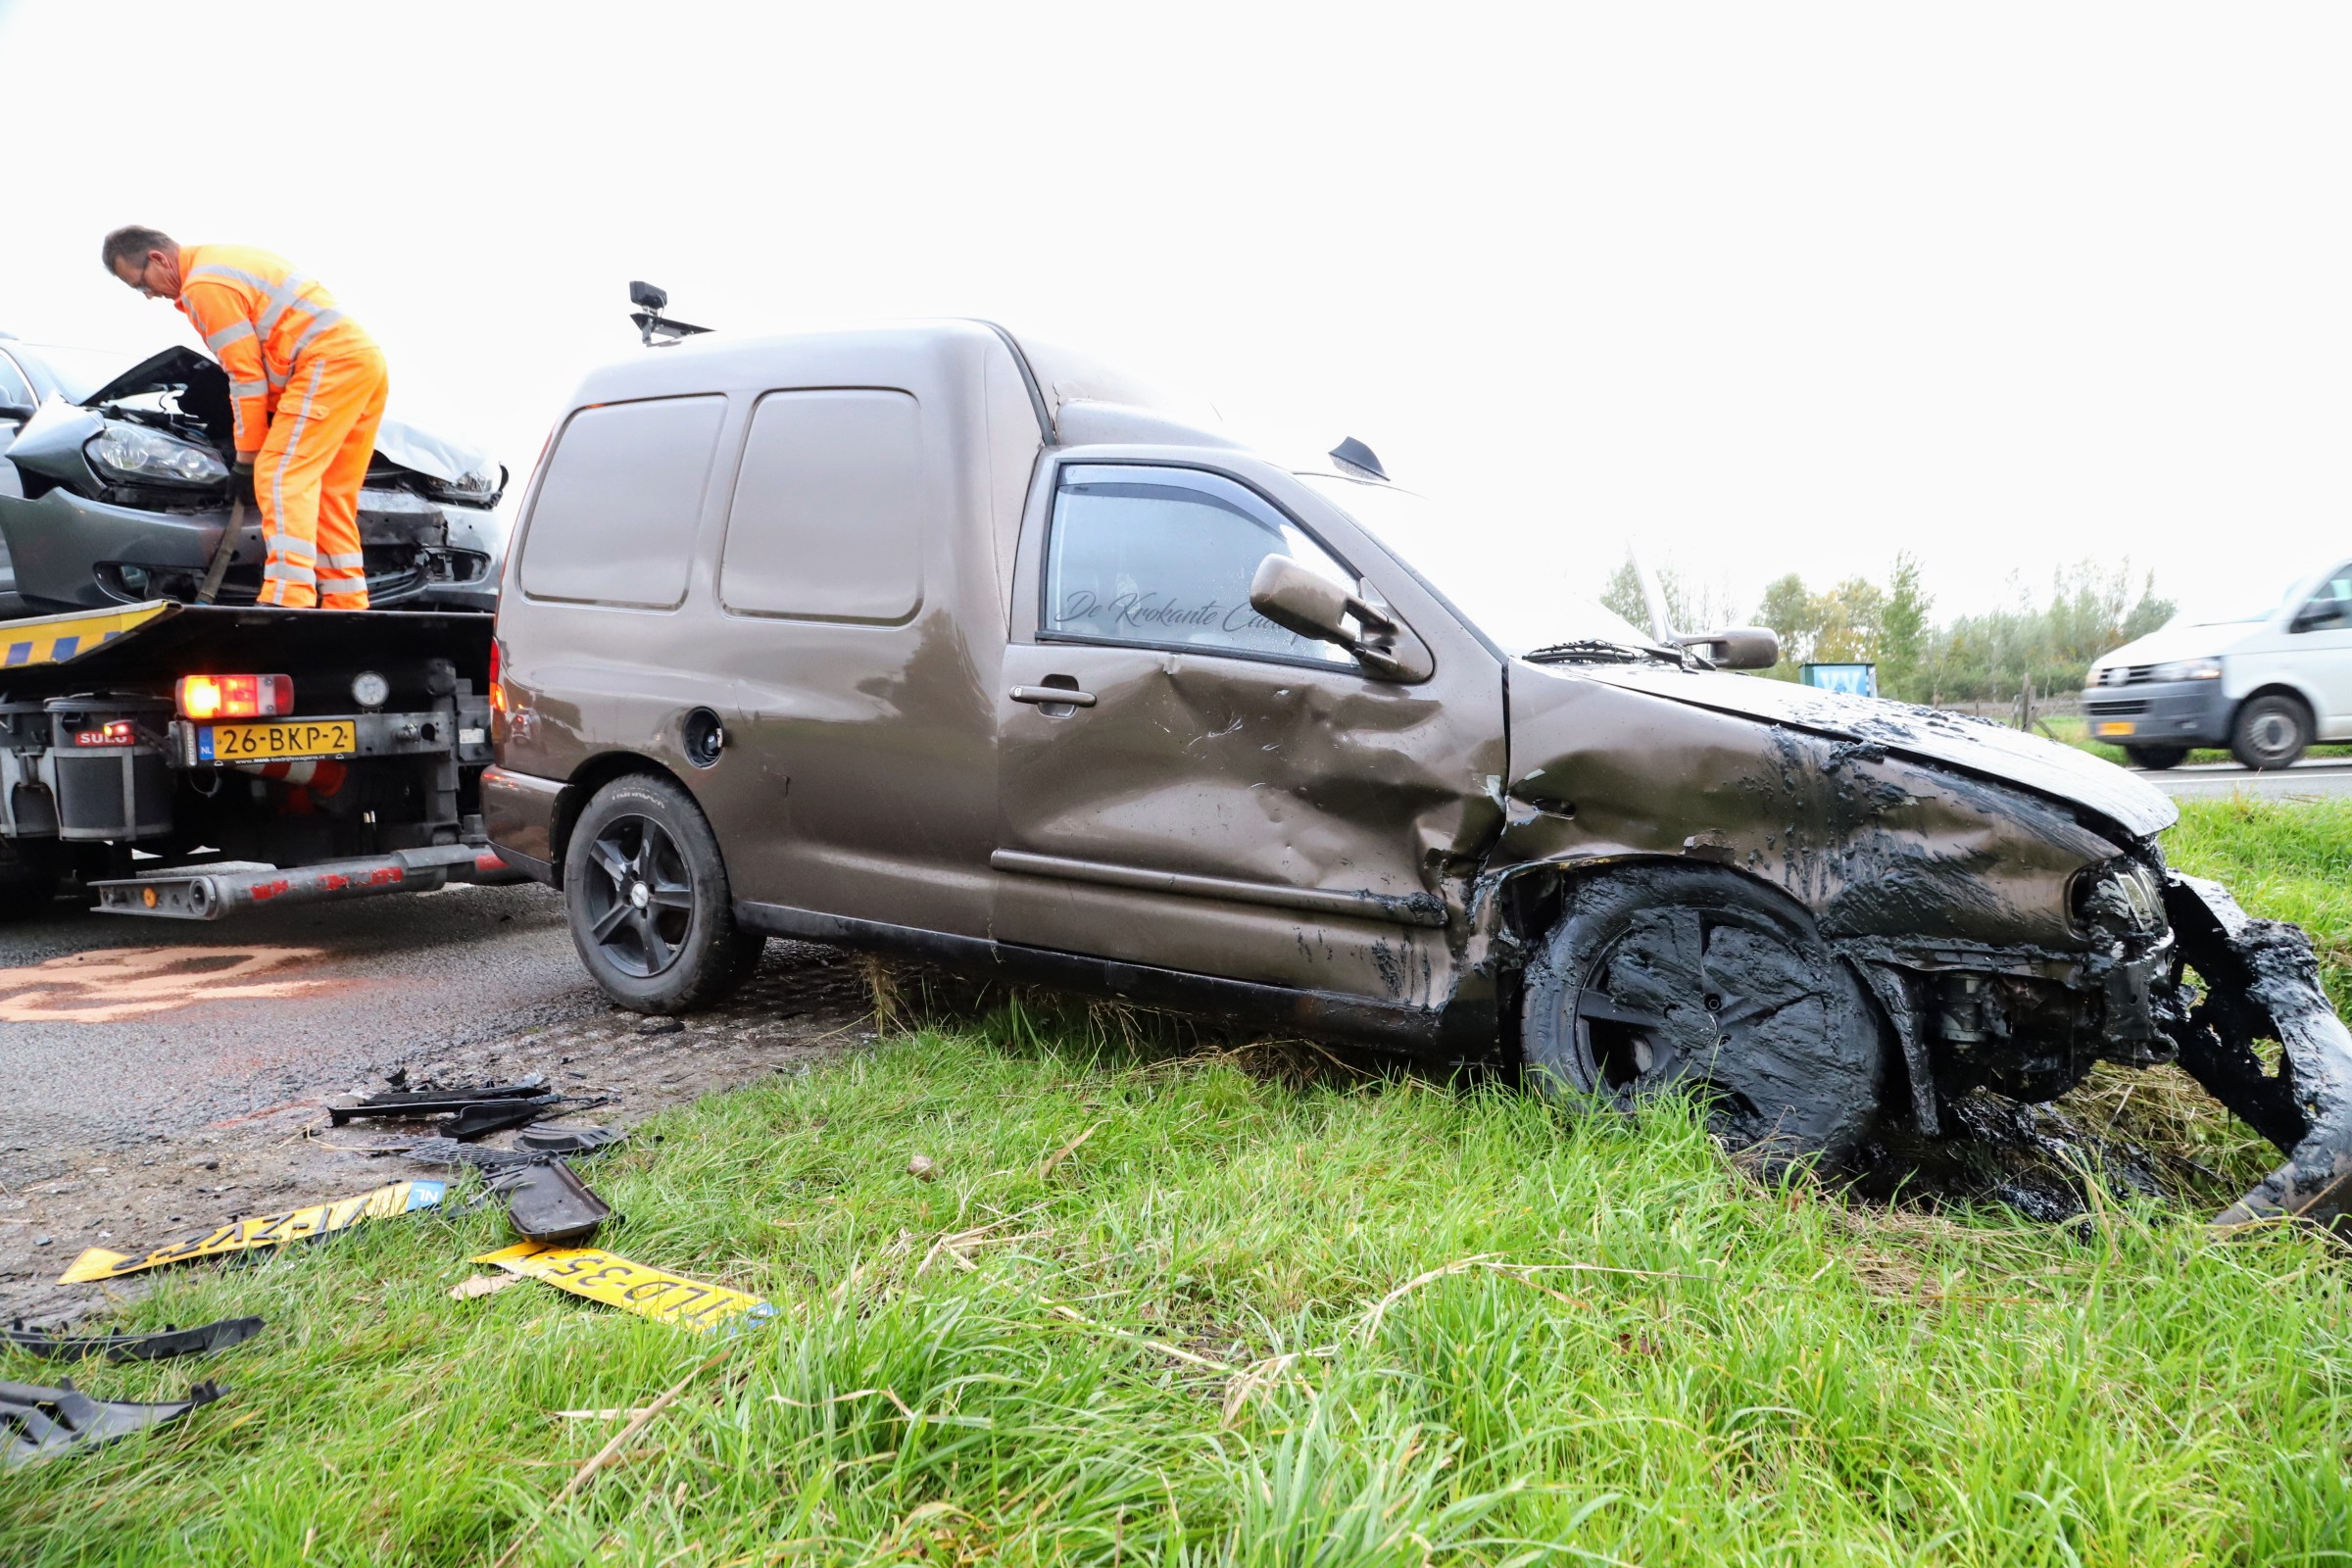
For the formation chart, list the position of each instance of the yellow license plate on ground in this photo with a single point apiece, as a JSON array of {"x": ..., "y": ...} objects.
[
  {"x": 2116, "y": 726},
  {"x": 666, "y": 1297},
  {"x": 262, "y": 1229},
  {"x": 266, "y": 743}
]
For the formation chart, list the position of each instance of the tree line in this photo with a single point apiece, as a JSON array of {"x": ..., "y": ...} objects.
[{"x": 2049, "y": 644}]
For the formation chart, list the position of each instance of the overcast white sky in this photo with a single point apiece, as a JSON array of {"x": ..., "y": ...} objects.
[{"x": 1766, "y": 287}]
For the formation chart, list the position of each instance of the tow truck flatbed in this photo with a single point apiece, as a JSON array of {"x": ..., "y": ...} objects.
[{"x": 83, "y": 650}]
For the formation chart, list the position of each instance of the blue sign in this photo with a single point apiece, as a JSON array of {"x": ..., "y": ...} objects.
[{"x": 1855, "y": 680}]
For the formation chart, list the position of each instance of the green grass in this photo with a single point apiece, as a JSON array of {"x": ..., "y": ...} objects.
[{"x": 1254, "y": 1317}]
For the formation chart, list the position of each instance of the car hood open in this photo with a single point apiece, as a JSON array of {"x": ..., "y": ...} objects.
[
  {"x": 397, "y": 442},
  {"x": 1971, "y": 746}
]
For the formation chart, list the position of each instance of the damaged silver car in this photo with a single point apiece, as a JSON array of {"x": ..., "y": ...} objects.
[
  {"x": 114, "y": 488},
  {"x": 941, "y": 642}
]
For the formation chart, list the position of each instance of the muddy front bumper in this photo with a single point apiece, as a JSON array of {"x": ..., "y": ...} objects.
[{"x": 2262, "y": 983}]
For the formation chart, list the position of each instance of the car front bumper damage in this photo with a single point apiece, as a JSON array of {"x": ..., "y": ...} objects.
[{"x": 2262, "y": 982}]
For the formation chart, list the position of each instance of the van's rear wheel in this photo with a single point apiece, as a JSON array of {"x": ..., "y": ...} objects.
[
  {"x": 1693, "y": 978},
  {"x": 646, "y": 892}
]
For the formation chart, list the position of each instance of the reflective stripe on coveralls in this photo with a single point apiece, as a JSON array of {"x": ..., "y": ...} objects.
[
  {"x": 276, "y": 331},
  {"x": 308, "y": 475}
]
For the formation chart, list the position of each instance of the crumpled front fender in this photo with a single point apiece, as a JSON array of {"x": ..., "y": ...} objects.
[{"x": 2262, "y": 982}]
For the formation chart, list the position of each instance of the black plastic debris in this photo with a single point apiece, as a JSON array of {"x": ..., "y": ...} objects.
[
  {"x": 57, "y": 1346},
  {"x": 534, "y": 1145},
  {"x": 38, "y": 1422},
  {"x": 409, "y": 1102},
  {"x": 449, "y": 1151},
  {"x": 547, "y": 1201},
  {"x": 465, "y": 1113},
  {"x": 558, "y": 1138},
  {"x": 488, "y": 1116}
]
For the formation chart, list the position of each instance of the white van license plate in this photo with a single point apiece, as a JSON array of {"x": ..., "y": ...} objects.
[{"x": 2118, "y": 726}]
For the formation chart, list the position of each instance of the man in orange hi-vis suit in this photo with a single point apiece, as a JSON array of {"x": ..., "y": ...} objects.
[{"x": 307, "y": 385}]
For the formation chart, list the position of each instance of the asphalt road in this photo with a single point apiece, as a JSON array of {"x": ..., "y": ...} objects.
[
  {"x": 116, "y": 1028},
  {"x": 158, "y": 1077},
  {"x": 2309, "y": 780}
]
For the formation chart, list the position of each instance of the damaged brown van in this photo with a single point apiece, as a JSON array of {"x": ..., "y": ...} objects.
[{"x": 941, "y": 642}]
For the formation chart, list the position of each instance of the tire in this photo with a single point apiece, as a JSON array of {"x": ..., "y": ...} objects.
[
  {"x": 2271, "y": 731},
  {"x": 2156, "y": 759},
  {"x": 646, "y": 892},
  {"x": 1693, "y": 978}
]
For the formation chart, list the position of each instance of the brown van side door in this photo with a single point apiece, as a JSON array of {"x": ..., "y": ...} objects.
[{"x": 1214, "y": 794}]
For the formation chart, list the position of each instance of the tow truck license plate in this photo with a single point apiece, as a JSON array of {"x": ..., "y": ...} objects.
[
  {"x": 264, "y": 743},
  {"x": 2122, "y": 726}
]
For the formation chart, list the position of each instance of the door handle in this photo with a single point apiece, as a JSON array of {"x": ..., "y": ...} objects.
[{"x": 1048, "y": 696}]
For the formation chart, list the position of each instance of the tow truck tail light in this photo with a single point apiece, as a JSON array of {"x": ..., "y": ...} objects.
[
  {"x": 205, "y": 697},
  {"x": 498, "y": 692}
]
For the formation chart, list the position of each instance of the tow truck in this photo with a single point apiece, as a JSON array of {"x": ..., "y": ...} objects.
[{"x": 190, "y": 761}]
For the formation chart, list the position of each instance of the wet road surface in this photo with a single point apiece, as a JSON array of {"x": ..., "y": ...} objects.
[
  {"x": 2319, "y": 779},
  {"x": 158, "y": 1077}
]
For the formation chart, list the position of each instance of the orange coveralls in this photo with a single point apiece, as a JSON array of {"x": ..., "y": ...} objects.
[{"x": 307, "y": 385}]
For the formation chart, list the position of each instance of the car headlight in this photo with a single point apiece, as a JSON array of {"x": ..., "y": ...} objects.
[
  {"x": 2188, "y": 670},
  {"x": 143, "y": 455},
  {"x": 2119, "y": 896},
  {"x": 481, "y": 486}
]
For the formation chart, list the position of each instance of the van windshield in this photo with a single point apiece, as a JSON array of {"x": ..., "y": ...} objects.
[{"x": 1515, "y": 590}]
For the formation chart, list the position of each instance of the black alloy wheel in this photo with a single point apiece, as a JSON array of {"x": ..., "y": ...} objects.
[
  {"x": 2156, "y": 759},
  {"x": 1696, "y": 979},
  {"x": 639, "y": 895},
  {"x": 2271, "y": 731},
  {"x": 647, "y": 895}
]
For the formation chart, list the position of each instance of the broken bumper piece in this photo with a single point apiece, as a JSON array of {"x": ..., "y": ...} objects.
[
  {"x": 38, "y": 1422},
  {"x": 547, "y": 1202},
  {"x": 203, "y": 1340},
  {"x": 2262, "y": 982}
]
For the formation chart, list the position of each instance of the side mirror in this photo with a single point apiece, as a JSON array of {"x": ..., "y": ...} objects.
[
  {"x": 1737, "y": 647},
  {"x": 1311, "y": 605},
  {"x": 647, "y": 297}
]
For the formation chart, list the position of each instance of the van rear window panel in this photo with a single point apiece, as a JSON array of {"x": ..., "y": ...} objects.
[
  {"x": 615, "y": 519},
  {"x": 829, "y": 517}
]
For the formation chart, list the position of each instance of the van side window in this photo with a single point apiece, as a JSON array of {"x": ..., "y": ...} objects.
[
  {"x": 827, "y": 520},
  {"x": 1164, "y": 556},
  {"x": 2330, "y": 609},
  {"x": 615, "y": 516}
]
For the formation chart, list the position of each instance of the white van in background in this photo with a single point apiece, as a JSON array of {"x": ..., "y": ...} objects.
[{"x": 2266, "y": 686}]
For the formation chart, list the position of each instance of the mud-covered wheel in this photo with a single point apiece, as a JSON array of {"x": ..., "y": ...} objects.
[
  {"x": 2156, "y": 759},
  {"x": 1693, "y": 978},
  {"x": 647, "y": 895},
  {"x": 2271, "y": 731}
]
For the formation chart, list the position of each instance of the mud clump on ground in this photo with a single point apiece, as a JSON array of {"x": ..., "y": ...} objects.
[{"x": 2039, "y": 1159}]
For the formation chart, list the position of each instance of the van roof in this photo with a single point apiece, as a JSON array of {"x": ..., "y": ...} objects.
[{"x": 1055, "y": 375}]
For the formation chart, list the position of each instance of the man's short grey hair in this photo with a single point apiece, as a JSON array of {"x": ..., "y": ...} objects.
[{"x": 132, "y": 243}]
